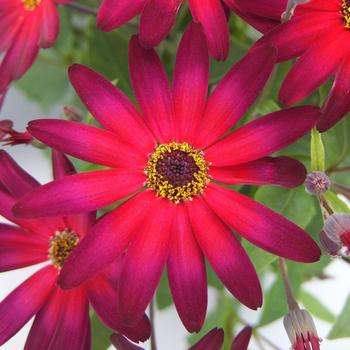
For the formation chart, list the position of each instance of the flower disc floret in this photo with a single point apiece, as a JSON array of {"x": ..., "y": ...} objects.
[
  {"x": 177, "y": 171},
  {"x": 345, "y": 11},
  {"x": 61, "y": 245},
  {"x": 31, "y": 4}
]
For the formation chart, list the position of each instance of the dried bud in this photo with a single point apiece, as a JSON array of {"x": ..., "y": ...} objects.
[
  {"x": 337, "y": 229},
  {"x": 301, "y": 330},
  {"x": 317, "y": 183},
  {"x": 291, "y": 5},
  {"x": 73, "y": 113},
  {"x": 329, "y": 245}
]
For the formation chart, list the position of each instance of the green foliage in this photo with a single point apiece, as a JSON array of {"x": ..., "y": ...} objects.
[
  {"x": 317, "y": 152},
  {"x": 341, "y": 327},
  {"x": 101, "y": 334}
]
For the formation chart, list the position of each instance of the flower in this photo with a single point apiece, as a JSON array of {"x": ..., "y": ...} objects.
[
  {"x": 171, "y": 159},
  {"x": 337, "y": 230},
  {"x": 301, "y": 330},
  {"x": 242, "y": 339},
  {"x": 317, "y": 183},
  {"x": 316, "y": 33},
  {"x": 62, "y": 317},
  {"x": 5, "y": 126},
  {"x": 213, "y": 340},
  {"x": 158, "y": 17},
  {"x": 26, "y": 25}
]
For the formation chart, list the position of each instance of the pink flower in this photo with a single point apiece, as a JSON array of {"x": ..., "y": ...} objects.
[
  {"x": 5, "y": 126},
  {"x": 317, "y": 33},
  {"x": 171, "y": 158},
  {"x": 158, "y": 17},
  {"x": 26, "y": 25},
  {"x": 61, "y": 317}
]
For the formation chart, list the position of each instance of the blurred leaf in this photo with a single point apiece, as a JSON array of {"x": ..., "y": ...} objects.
[
  {"x": 341, "y": 327},
  {"x": 336, "y": 203},
  {"x": 100, "y": 334},
  {"x": 317, "y": 152},
  {"x": 163, "y": 295},
  {"x": 316, "y": 307}
]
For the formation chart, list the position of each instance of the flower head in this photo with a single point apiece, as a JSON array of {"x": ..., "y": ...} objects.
[
  {"x": 172, "y": 160},
  {"x": 61, "y": 317},
  {"x": 301, "y": 330},
  {"x": 30, "y": 25},
  {"x": 316, "y": 34},
  {"x": 317, "y": 183}
]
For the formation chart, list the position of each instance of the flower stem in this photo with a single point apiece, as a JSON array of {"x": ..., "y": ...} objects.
[
  {"x": 292, "y": 303},
  {"x": 82, "y": 8},
  {"x": 324, "y": 203},
  {"x": 151, "y": 317}
]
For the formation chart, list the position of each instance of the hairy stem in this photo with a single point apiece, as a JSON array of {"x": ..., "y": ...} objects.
[{"x": 292, "y": 303}]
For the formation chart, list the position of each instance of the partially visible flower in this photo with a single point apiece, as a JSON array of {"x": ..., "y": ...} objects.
[
  {"x": 5, "y": 126},
  {"x": 242, "y": 339},
  {"x": 301, "y": 330},
  {"x": 61, "y": 317},
  {"x": 213, "y": 340},
  {"x": 12, "y": 137},
  {"x": 330, "y": 246},
  {"x": 173, "y": 160},
  {"x": 26, "y": 26},
  {"x": 317, "y": 183},
  {"x": 317, "y": 33},
  {"x": 158, "y": 17},
  {"x": 337, "y": 229}
]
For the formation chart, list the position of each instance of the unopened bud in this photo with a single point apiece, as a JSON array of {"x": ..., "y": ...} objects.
[
  {"x": 301, "y": 330},
  {"x": 317, "y": 183},
  {"x": 73, "y": 113},
  {"x": 337, "y": 229}
]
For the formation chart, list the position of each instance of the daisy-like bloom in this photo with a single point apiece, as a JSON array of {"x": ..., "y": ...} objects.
[
  {"x": 316, "y": 34},
  {"x": 26, "y": 26},
  {"x": 336, "y": 233},
  {"x": 301, "y": 330},
  {"x": 158, "y": 17},
  {"x": 174, "y": 157},
  {"x": 61, "y": 317}
]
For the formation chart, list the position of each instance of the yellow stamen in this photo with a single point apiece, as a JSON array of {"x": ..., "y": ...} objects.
[
  {"x": 345, "y": 11},
  {"x": 31, "y": 5},
  {"x": 61, "y": 245},
  {"x": 177, "y": 171}
]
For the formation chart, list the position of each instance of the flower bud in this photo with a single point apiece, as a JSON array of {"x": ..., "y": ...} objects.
[
  {"x": 73, "y": 113},
  {"x": 328, "y": 244},
  {"x": 301, "y": 330},
  {"x": 317, "y": 183},
  {"x": 337, "y": 229}
]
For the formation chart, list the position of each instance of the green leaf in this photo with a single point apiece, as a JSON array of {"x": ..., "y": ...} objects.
[
  {"x": 317, "y": 152},
  {"x": 341, "y": 327},
  {"x": 336, "y": 203},
  {"x": 163, "y": 296},
  {"x": 100, "y": 334},
  {"x": 316, "y": 307}
]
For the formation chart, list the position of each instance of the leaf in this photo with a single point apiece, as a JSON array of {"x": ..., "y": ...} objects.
[
  {"x": 341, "y": 327},
  {"x": 316, "y": 307},
  {"x": 163, "y": 296},
  {"x": 337, "y": 204},
  {"x": 317, "y": 152},
  {"x": 100, "y": 334}
]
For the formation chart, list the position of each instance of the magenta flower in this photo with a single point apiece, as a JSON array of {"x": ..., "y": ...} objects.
[
  {"x": 61, "y": 317},
  {"x": 5, "y": 127},
  {"x": 242, "y": 339},
  {"x": 171, "y": 157},
  {"x": 158, "y": 17},
  {"x": 26, "y": 25},
  {"x": 316, "y": 33}
]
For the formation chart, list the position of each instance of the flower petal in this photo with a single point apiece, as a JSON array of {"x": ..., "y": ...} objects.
[
  {"x": 190, "y": 86},
  {"x": 50, "y": 23},
  {"x": 211, "y": 15},
  {"x": 157, "y": 19},
  {"x": 20, "y": 248},
  {"x": 225, "y": 254},
  {"x": 86, "y": 142},
  {"x": 103, "y": 296},
  {"x": 261, "y": 226},
  {"x": 114, "y": 13},
  {"x": 111, "y": 108},
  {"x": 263, "y": 136},
  {"x": 152, "y": 90},
  {"x": 17, "y": 181},
  {"x": 25, "y": 301},
  {"x": 282, "y": 171},
  {"x": 213, "y": 340},
  {"x": 231, "y": 98},
  {"x": 187, "y": 273},
  {"x": 338, "y": 102},
  {"x": 121, "y": 343},
  {"x": 145, "y": 261},
  {"x": 314, "y": 67},
  {"x": 242, "y": 339},
  {"x": 79, "y": 193},
  {"x": 108, "y": 239}
]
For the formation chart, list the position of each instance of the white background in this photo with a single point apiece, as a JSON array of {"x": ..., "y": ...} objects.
[{"x": 170, "y": 333}]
